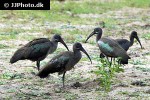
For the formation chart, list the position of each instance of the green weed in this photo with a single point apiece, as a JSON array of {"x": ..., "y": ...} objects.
[
  {"x": 146, "y": 36},
  {"x": 11, "y": 34},
  {"x": 138, "y": 3},
  {"x": 106, "y": 72},
  {"x": 123, "y": 92},
  {"x": 8, "y": 75},
  {"x": 2, "y": 46},
  {"x": 70, "y": 96},
  {"x": 2, "y": 82}
]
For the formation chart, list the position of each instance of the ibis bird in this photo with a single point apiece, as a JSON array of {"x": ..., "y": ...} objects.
[
  {"x": 37, "y": 49},
  {"x": 63, "y": 62},
  {"x": 109, "y": 47},
  {"x": 125, "y": 44}
]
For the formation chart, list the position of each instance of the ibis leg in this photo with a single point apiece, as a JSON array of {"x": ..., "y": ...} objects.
[
  {"x": 111, "y": 61},
  {"x": 114, "y": 60},
  {"x": 63, "y": 78},
  {"x": 107, "y": 58},
  {"x": 38, "y": 65},
  {"x": 119, "y": 62},
  {"x": 101, "y": 55}
]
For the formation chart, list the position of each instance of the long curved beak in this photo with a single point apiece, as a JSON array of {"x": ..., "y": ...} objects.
[
  {"x": 83, "y": 50},
  {"x": 64, "y": 44},
  {"x": 137, "y": 38},
  {"x": 90, "y": 36}
]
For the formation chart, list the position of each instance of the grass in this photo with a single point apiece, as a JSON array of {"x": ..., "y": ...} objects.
[
  {"x": 134, "y": 94},
  {"x": 138, "y": 62},
  {"x": 123, "y": 92},
  {"x": 2, "y": 82},
  {"x": 66, "y": 12},
  {"x": 2, "y": 46},
  {"x": 70, "y": 96},
  {"x": 146, "y": 36},
  {"x": 9, "y": 34},
  {"x": 138, "y": 3},
  {"x": 143, "y": 69},
  {"x": 10, "y": 76},
  {"x": 48, "y": 32},
  {"x": 98, "y": 8}
]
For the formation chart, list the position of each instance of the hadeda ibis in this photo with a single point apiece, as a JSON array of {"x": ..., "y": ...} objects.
[
  {"x": 109, "y": 47},
  {"x": 125, "y": 44},
  {"x": 37, "y": 49},
  {"x": 63, "y": 62}
]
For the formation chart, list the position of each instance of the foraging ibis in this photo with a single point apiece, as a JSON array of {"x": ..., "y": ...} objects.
[
  {"x": 63, "y": 62},
  {"x": 125, "y": 44},
  {"x": 37, "y": 49},
  {"x": 109, "y": 47}
]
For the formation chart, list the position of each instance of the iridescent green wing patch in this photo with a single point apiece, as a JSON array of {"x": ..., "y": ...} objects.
[{"x": 105, "y": 46}]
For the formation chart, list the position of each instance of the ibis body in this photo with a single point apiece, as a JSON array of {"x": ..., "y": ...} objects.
[
  {"x": 109, "y": 47},
  {"x": 126, "y": 44},
  {"x": 63, "y": 62},
  {"x": 37, "y": 49}
]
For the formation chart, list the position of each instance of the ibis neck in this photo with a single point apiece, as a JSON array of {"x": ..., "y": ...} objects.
[
  {"x": 131, "y": 41},
  {"x": 98, "y": 37},
  {"x": 77, "y": 54},
  {"x": 53, "y": 47}
]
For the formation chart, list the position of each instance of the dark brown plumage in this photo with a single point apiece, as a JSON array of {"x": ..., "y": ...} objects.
[
  {"x": 37, "y": 49},
  {"x": 63, "y": 62},
  {"x": 126, "y": 44},
  {"x": 109, "y": 47}
]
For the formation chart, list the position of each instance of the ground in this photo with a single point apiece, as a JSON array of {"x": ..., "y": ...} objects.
[{"x": 18, "y": 81}]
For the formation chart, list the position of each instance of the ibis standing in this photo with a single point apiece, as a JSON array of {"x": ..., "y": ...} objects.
[
  {"x": 37, "y": 49},
  {"x": 109, "y": 47},
  {"x": 63, "y": 62},
  {"x": 126, "y": 44}
]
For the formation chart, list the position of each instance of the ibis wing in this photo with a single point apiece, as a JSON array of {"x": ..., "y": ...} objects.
[
  {"x": 37, "y": 50},
  {"x": 37, "y": 41},
  {"x": 124, "y": 43},
  {"x": 18, "y": 55},
  {"x": 106, "y": 47},
  {"x": 33, "y": 50},
  {"x": 56, "y": 64},
  {"x": 110, "y": 47}
]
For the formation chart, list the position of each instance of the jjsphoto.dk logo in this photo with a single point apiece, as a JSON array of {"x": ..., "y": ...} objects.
[{"x": 25, "y": 5}]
